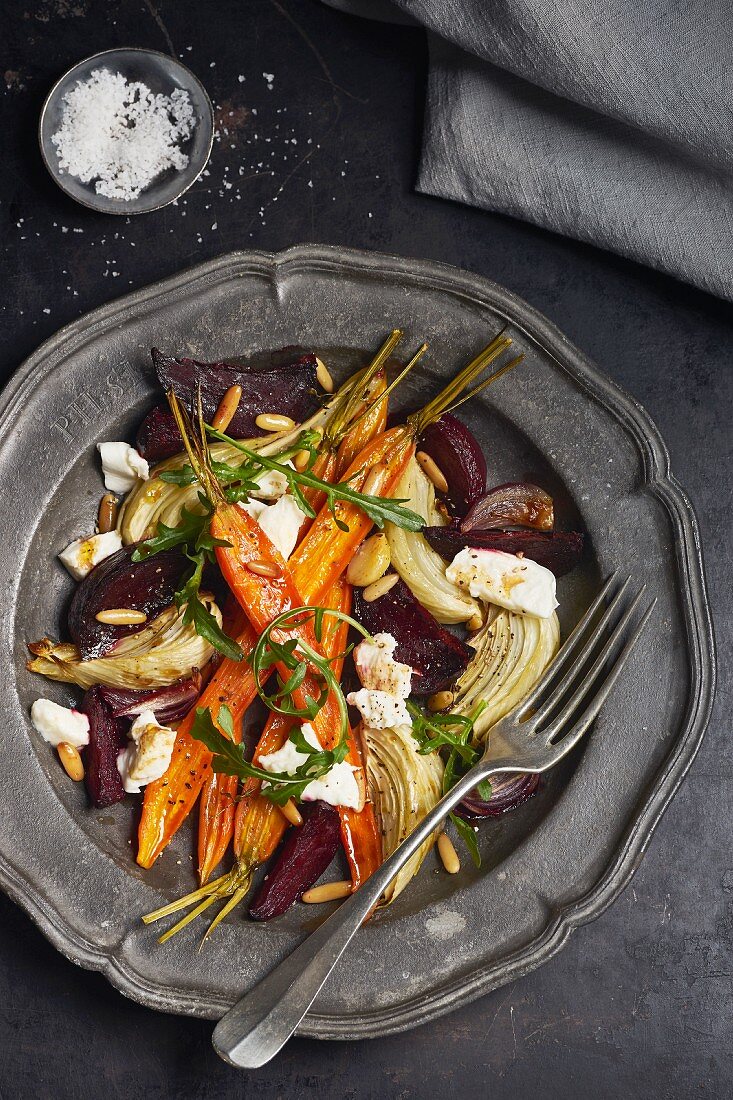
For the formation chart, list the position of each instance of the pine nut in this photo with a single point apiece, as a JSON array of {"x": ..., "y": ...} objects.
[
  {"x": 370, "y": 562},
  {"x": 71, "y": 760},
  {"x": 264, "y": 568},
  {"x": 432, "y": 471},
  {"x": 323, "y": 376},
  {"x": 291, "y": 813},
  {"x": 301, "y": 460},
  {"x": 275, "y": 422},
  {"x": 374, "y": 480},
  {"x": 330, "y": 891},
  {"x": 440, "y": 701},
  {"x": 448, "y": 854},
  {"x": 121, "y": 616},
  {"x": 373, "y": 591},
  {"x": 107, "y": 514},
  {"x": 475, "y": 622},
  {"x": 227, "y": 408}
]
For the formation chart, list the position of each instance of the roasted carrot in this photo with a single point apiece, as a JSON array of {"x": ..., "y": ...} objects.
[{"x": 217, "y": 802}]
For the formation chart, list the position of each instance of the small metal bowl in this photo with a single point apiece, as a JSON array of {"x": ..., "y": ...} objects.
[{"x": 162, "y": 75}]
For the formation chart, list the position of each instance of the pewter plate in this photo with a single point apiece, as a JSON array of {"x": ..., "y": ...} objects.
[{"x": 553, "y": 864}]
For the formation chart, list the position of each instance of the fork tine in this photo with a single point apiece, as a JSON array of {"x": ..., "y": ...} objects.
[
  {"x": 568, "y": 647},
  {"x": 595, "y": 670},
  {"x": 576, "y": 669}
]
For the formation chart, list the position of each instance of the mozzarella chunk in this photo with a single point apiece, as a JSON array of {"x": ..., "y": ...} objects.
[
  {"x": 380, "y": 710},
  {"x": 148, "y": 754},
  {"x": 518, "y": 584},
  {"x": 122, "y": 466},
  {"x": 272, "y": 483},
  {"x": 280, "y": 521},
  {"x": 56, "y": 723},
  {"x": 81, "y": 555},
  {"x": 338, "y": 786},
  {"x": 377, "y": 668}
]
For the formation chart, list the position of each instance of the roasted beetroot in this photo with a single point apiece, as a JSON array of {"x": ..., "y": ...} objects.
[
  {"x": 559, "y": 551},
  {"x": 507, "y": 792},
  {"x": 281, "y": 387},
  {"x": 436, "y": 656},
  {"x": 107, "y": 737},
  {"x": 455, "y": 449},
  {"x": 118, "y": 581},
  {"x": 168, "y": 704},
  {"x": 517, "y": 504},
  {"x": 303, "y": 857}
]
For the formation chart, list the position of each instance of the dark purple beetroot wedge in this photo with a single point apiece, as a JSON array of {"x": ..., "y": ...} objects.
[
  {"x": 158, "y": 437},
  {"x": 118, "y": 581},
  {"x": 304, "y": 855},
  {"x": 284, "y": 387},
  {"x": 455, "y": 449},
  {"x": 107, "y": 738},
  {"x": 558, "y": 551},
  {"x": 168, "y": 704},
  {"x": 435, "y": 655}
]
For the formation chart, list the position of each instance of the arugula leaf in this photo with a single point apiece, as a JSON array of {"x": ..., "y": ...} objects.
[
  {"x": 199, "y": 615},
  {"x": 468, "y": 836},
  {"x": 229, "y": 758},
  {"x": 379, "y": 509},
  {"x": 192, "y": 527}
]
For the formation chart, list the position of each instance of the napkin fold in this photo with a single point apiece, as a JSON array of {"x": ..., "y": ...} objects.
[{"x": 611, "y": 123}]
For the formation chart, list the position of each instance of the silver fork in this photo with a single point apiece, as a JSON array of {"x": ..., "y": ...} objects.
[{"x": 534, "y": 737}]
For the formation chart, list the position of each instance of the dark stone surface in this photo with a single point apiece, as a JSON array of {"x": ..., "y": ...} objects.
[{"x": 639, "y": 1004}]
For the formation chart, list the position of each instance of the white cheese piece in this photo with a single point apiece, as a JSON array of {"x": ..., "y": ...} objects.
[
  {"x": 82, "y": 555},
  {"x": 518, "y": 584},
  {"x": 377, "y": 668},
  {"x": 338, "y": 786},
  {"x": 148, "y": 754},
  {"x": 122, "y": 466},
  {"x": 272, "y": 483},
  {"x": 280, "y": 521},
  {"x": 56, "y": 723},
  {"x": 380, "y": 710}
]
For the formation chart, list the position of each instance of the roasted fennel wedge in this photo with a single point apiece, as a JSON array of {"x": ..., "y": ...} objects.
[
  {"x": 164, "y": 651},
  {"x": 512, "y": 652},
  {"x": 404, "y": 785},
  {"x": 421, "y": 568}
]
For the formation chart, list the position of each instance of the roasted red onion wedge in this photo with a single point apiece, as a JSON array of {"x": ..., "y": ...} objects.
[
  {"x": 107, "y": 737},
  {"x": 119, "y": 582},
  {"x": 507, "y": 792},
  {"x": 304, "y": 855},
  {"x": 517, "y": 504},
  {"x": 168, "y": 704},
  {"x": 558, "y": 551},
  {"x": 289, "y": 388},
  {"x": 455, "y": 449},
  {"x": 436, "y": 656}
]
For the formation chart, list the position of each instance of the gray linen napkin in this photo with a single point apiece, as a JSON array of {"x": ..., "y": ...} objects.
[{"x": 608, "y": 122}]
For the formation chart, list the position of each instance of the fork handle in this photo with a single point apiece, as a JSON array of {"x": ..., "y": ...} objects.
[{"x": 256, "y": 1028}]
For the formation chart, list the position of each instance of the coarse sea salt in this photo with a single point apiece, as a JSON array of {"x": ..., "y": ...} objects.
[{"x": 120, "y": 134}]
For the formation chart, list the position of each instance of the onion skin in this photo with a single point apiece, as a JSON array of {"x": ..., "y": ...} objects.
[
  {"x": 288, "y": 387},
  {"x": 435, "y": 655},
  {"x": 107, "y": 737},
  {"x": 117, "y": 581},
  {"x": 558, "y": 551},
  {"x": 506, "y": 795},
  {"x": 516, "y": 504},
  {"x": 168, "y": 704},
  {"x": 305, "y": 854},
  {"x": 455, "y": 449}
]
